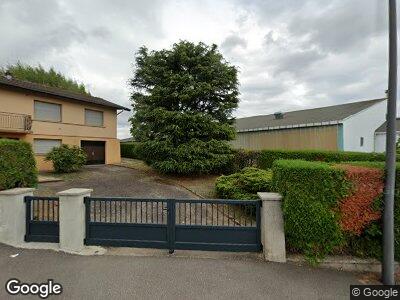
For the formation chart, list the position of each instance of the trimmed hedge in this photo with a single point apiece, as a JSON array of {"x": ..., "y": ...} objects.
[
  {"x": 244, "y": 185},
  {"x": 311, "y": 191},
  {"x": 267, "y": 157},
  {"x": 17, "y": 165},
  {"x": 130, "y": 150}
]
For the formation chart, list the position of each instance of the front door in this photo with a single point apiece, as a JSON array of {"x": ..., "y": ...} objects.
[{"x": 95, "y": 152}]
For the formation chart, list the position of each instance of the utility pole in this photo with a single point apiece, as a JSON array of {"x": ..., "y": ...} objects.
[{"x": 390, "y": 166}]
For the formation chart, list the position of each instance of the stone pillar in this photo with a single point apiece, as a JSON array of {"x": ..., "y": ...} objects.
[
  {"x": 13, "y": 215},
  {"x": 272, "y": 229},
  {"x": 72, "y": 219}
]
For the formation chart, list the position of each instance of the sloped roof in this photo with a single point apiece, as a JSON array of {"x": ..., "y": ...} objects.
[
  {"x": 127, "y": 140},
  {"x": 52, "y": 91},
  {"x": 382, "y": 128},
  {"x": 302, "y": 118}
]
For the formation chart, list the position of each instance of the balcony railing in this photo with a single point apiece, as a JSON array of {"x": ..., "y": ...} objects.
[{"x": 11, "y": 122}]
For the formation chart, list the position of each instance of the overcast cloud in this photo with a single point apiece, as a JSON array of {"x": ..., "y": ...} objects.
[{"x": 291, "y": 54}]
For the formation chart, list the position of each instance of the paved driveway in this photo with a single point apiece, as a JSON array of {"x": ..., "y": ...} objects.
[
  {"x": 115, "y": 181},
  {"x": 127, "y": 277}
]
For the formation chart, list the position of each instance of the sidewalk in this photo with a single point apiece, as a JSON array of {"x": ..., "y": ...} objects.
[{"x": 130, "y": 277}]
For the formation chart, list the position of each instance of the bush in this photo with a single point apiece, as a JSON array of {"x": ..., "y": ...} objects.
[
  {"x": 244, "y": 158},
  {"x": 67, "y": 159},
  {"x": 130, "y": 150},
  {"x": 245, "y": 184},
  {"x": 17, "y": 165},
  {"x": 311, "y": 191},
  {"x": 267, "y": 157}
]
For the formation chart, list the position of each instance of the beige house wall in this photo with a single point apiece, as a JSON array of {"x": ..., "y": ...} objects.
[
  {"x": 71, "y": 130},
  {"x": 323, "y": 137}
]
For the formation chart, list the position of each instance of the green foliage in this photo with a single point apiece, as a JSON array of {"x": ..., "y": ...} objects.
[
  {"x": 183, "y": 99},
  {"x": 244, "y": 158},
  {"x": 130, "y": 150},
  {"x": 67, "y": 159},
  {"x": 49, "y": 77},
  {"x": 311, "y": 193},
  {"x": 245, "y": 184},
  {"x": 268, "y": 157},
  {"x": 17, "y": 165}
]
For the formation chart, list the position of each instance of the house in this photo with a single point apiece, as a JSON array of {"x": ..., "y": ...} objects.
[
  {"x": 47, "y": 117},
  {"x": 380, "y": 136},
  {"x": 127, "y": 140},
  {"x": 347, "y": 127}
]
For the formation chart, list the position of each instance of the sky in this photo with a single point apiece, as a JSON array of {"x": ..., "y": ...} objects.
[{"x": 291, "y": 54}]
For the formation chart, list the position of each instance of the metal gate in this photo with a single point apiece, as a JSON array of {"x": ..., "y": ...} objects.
[
  {"x": 227, "y": 225},
  {"x": 42, "y": 224}
]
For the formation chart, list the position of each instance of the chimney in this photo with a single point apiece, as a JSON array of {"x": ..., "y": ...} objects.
[{"x": 278, "y": 115}]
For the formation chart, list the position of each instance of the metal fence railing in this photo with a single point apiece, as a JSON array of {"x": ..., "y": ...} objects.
[{"x": 15, "y": 122}]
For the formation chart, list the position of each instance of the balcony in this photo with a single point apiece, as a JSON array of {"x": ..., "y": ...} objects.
[{"x": 16, "y": 123}]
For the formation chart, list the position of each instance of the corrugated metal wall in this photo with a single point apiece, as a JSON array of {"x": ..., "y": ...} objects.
[{"x": 322, "y": 137}]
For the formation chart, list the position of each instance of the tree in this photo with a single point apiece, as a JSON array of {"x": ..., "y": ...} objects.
[
  {"x": 38, "y": 74},
  {"x": 183, "y": 99}
]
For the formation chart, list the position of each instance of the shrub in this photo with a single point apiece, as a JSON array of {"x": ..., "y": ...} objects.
[
  {"x": 244, "y": 184},
  {"x": 17, "y": 165},
  {"x": 244, "y": 158},
  {"x": 130, "y": 150},
  {"x": 311, "y": 192},
  {"x": 67, "y": 159},
  {"x": 267, "y": 157}
]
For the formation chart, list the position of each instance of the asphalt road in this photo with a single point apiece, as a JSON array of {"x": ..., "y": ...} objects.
[{"x": 128, "y": 277}]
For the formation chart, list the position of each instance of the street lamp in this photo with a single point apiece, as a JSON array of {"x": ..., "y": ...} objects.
[{"x": 390, "y": 164}]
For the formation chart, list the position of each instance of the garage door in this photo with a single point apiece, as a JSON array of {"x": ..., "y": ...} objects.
[{"x": 95, "y": 151}]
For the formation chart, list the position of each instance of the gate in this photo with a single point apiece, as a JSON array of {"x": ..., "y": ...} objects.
[
  {"x": 42, "y": 224},
  {"x": 225, "y": 225}
]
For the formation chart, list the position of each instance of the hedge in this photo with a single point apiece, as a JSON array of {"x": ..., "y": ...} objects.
[
  {"x": 267, "y": 157},
  {"x": 244, "y": 185},
  {"x": 334, "y": 208},
  {"x": 311, "y": 191},
  {"x": 17, "y": 165},
  {"x": 130, "y": 150}
]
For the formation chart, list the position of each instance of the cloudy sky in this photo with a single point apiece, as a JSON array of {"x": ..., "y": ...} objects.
[{"x": 292, "y": 54}]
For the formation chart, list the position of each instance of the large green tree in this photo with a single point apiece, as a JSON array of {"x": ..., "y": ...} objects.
[
  {"x": 38, "y": 74},
  {"x": 183, "y": 99}
]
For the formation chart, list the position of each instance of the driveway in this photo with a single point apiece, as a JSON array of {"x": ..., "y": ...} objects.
[
  {"x": 127, "y": 277},
  {"x": 115, "y": 181}
]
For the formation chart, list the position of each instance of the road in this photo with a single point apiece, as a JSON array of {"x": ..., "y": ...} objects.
[{"x": 130, "y": 277}]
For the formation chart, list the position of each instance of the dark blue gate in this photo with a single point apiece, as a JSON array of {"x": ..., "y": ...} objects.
[
  {"x": 42, "y": 223},
  {"x": 228, "y": 225}
]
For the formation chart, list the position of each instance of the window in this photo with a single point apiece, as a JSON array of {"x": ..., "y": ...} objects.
[
  {"x": 93, "y": 117},
  {"x": 45, "y": 146},
  {"x": 45, "y": 111},
  {"x": 361, "y": 141}
]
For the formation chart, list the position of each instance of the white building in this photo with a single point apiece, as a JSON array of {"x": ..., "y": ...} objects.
[{"x": 380, "y": 136}]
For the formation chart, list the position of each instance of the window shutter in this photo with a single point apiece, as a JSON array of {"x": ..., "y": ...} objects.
[
  {"x": 47, "y": 111},
  {"x": 93, "y": 117},
  {"x": 45, "y": 146}
]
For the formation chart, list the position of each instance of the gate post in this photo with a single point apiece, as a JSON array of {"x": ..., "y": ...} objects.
[
  {"x": 171, "y": 224},
  {"x": 13, "y": 215},
  {"x": 72, "y": 219},
  {"x": 272, "y": 229}
]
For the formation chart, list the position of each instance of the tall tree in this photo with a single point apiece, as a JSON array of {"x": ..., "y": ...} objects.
[
  {"x": 38, "y": 74},
  {"x": 183, "y": 99}
]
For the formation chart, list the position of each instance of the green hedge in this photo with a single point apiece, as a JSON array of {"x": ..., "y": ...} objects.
[
  {"x": 311, "y": 191},
  {"x": 17, "y": 165},
  {"x": 267, "y": 157},
  {"x": 130, "y": 150},
  {"x": 244, "y": 185}
]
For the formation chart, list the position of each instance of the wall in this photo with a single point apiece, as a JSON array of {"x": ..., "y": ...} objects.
[
  {"x": 380, "y": 141},
  {"x": 363, "y": 124},
  {"x": 322, "y": 137},
  {"x": 71, "y": 130}
]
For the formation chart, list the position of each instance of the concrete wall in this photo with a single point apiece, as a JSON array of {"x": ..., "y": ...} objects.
[
  {"x": 71, "y": 130},
  {"x": 363, "y": 124},
  {"x": 322, "y": 137}
]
